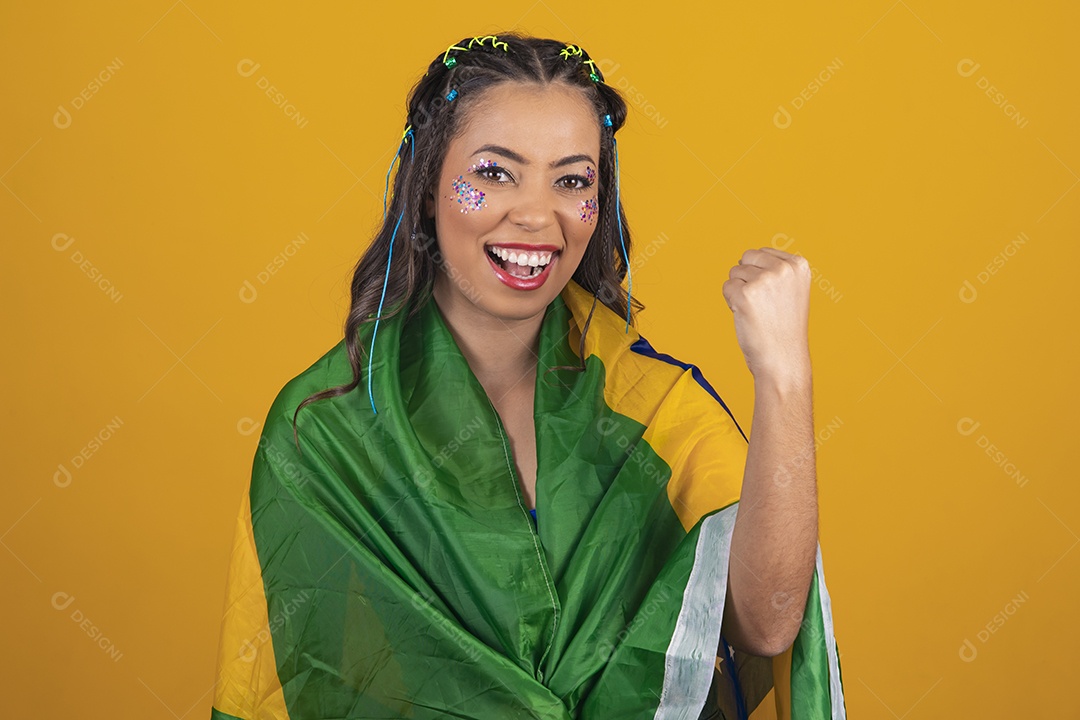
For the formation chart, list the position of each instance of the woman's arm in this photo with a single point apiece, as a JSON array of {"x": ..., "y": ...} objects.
[{"x": 774, "y": 542}]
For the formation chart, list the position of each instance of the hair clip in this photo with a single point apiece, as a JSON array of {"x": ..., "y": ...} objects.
[
  {"x": 570, "y": 50},
  {"x": 452, "y": 95},
  {"x": 495, "y": 42},
  {"x": 574, "y": 51},
  {"x": 594, "y": 74},
  {"x": 607, "y": 121},
  {"x": 451, "y": 61}
]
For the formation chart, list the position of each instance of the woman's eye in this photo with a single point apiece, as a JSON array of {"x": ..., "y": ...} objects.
[
  {"x": 491, "y": 174},
  {"x": 499, "y": 176},
  {"x": 576, "y": 183}
]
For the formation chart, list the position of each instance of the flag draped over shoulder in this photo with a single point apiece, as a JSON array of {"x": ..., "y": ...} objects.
[{"x": 390, "y": 569}]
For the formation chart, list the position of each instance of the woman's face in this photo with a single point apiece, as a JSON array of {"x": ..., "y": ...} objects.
[{"x": 516, "y": 201}]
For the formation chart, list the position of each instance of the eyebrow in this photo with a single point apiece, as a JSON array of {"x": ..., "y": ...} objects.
[{"x": 508, "y": 153}]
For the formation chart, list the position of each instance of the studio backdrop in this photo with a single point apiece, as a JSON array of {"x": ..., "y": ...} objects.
[{"x": 187, "y": 186}]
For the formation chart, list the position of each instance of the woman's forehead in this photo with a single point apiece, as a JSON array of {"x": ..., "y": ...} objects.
[{"x": 536, "y": 122}]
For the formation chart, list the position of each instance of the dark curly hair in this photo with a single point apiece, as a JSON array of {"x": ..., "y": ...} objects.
[{"x": 479, "y": 63}]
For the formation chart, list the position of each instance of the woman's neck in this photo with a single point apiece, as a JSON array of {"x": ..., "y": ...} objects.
[{"x": 502, "y": 353}]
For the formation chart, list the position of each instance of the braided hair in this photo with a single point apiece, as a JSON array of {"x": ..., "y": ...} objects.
[{"x": 436, "y": 106}]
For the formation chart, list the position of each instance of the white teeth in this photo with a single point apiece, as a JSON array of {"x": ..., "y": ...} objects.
[{"x": 523, "y": 258}]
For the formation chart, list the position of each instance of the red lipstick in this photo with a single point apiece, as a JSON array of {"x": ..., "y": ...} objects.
[{"x": 524, "y": 283}]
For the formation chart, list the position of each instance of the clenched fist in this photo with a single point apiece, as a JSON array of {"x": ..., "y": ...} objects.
[{"x": 769, "y": 294}]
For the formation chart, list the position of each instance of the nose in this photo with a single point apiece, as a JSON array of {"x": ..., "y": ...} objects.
[{"x": 533, "y": 209}]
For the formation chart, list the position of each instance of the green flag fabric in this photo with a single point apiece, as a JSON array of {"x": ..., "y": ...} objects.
[{"x": 389, "y": 568}]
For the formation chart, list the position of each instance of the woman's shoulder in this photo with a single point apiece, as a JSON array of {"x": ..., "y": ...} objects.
[
  {"x": 696, "y": 394},
  {"x": 330, "y": 370}
]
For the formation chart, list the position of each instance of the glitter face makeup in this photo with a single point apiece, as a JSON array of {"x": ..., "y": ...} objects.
[
  {"x": 589, "y": 208},
  {"x": 467, "y": 195},
  {"x": 481, "y": 165},
  {"x": 470, "y": 197},
  {"x": 590, "y": 175}
]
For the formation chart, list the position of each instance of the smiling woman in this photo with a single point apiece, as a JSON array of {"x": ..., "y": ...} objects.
[
  {"x": 388, "y": 559},
  {"x": 520, "y": 228}
]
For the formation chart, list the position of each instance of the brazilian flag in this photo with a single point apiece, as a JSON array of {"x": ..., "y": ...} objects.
[{"x": 388, "y": 567}]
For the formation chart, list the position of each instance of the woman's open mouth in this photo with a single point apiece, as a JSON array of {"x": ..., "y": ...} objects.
[{"x": 520, "y": 267}]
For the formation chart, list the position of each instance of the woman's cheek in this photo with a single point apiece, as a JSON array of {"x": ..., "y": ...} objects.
[
  {"x": 465, "y": 196},
  {"x": 587, "y": 211},
  {"x": 580, "y": 225}
]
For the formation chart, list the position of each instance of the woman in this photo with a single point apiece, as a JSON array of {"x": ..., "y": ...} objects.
[{"x": 493, "y": 498}]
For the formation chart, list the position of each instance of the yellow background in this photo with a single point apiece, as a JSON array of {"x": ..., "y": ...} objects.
[{"x": 179, "y": 180}]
